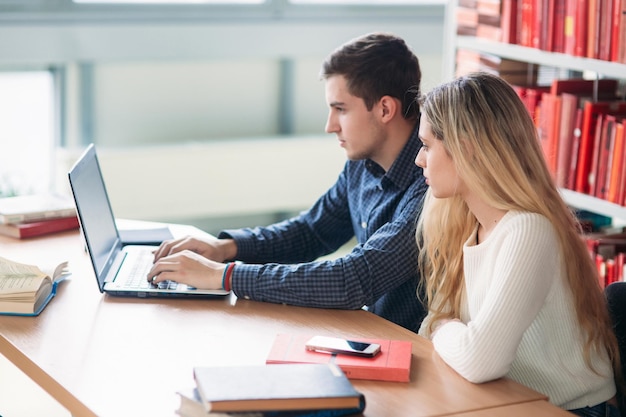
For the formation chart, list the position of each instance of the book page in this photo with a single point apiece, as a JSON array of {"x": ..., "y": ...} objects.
[{"x": 19, "y": 278}]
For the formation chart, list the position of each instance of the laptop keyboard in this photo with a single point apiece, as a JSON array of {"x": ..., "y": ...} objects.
[{"x": 137, "y": 274}]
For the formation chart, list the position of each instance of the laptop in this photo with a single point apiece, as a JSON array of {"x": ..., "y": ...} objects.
[{"x": 120, "y": 269}]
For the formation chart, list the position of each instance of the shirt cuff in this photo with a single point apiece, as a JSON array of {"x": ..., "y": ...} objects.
[
  {"x": 243, "y": 280},
  {"x": 245, "y": 245}
]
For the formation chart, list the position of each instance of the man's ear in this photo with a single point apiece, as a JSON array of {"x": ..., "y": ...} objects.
[{"x": 388, "y": 108}]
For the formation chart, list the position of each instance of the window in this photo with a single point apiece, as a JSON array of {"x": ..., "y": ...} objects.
[{"x": 26, "y": 132}]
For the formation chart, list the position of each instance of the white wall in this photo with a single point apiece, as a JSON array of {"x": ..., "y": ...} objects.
[{"x": 158, "y": 85}]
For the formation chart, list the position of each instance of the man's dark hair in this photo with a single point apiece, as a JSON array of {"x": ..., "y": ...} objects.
[{"x": 377, "y": 65}]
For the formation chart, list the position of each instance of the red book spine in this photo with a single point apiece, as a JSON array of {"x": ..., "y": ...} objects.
[
  {"x": 573, "y": 168},
  {"x": 527, "y": 22},
  {"x": 607, "y": 140},
  {"x": 593, "y": 28},
  {"x": 557, "y": 33},
  {"x": 616, "y": 24},
  {"x": 508, "y": 21},
  {"x": 580, "y": 30},
  {"x": 617, "y": 165},
  {"x": 605, "y": 30}
]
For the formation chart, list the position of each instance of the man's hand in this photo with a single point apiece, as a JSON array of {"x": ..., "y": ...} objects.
[
  {"x": 189, "y": 268},
  {"x": 211, "y": 248}
]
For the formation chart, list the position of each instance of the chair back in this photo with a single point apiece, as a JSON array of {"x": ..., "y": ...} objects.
[{"x": 616, "y": 300}]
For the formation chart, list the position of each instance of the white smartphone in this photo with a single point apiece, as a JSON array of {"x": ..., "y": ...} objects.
[{"x": 342, "y": 346}]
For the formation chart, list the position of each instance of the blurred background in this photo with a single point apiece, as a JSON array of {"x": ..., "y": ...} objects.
[{"x": 210, "y": 113}]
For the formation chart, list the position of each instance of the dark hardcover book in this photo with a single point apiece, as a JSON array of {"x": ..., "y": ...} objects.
[
  {"x": 289, "y": 387},
  {"x": 191, "y": 406}
]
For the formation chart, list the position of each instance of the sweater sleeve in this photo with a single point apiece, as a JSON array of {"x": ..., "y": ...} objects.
[{"x": 508, "y": 278}]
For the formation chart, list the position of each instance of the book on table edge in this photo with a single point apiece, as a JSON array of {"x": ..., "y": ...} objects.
[
  {"x": 39, "y": 228},
  {"x": 191, "y": 406},
  {"x": 393, "y": 363},
  {"x": 25, "y": 289},
  {"x": 35, "y": 207},
  {"x": 287, "y": 387}
]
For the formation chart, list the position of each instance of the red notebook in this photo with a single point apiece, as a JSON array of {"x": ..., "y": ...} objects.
[{"x": 393, "y": 363}]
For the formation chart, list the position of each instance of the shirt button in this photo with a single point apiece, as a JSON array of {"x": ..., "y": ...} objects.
[{"x": 364, "y": 225}]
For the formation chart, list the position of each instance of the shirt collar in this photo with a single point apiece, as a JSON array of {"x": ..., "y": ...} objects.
[{"x": 403, "y": 169}]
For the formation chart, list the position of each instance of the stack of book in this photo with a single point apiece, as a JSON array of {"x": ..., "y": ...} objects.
[
  {"x": 288, "y": 390},
  {"x": 586, "y": 28},
  {"x": 35, "y": 215},
  {"x": 581, "y": 126}
]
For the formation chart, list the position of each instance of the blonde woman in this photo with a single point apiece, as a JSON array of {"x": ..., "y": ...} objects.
[{"x": 510, "y": 287}]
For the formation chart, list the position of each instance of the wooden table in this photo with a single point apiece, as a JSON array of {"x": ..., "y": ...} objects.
[
  {"x": 107, "y": 356},
  {"x": 531, "y": 408}
]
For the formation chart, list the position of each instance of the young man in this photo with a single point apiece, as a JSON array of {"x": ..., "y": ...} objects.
[{"x": 371, "y": 86}]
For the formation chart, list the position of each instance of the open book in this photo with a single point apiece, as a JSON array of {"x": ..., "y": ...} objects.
[{"x": 26, "y": 289}]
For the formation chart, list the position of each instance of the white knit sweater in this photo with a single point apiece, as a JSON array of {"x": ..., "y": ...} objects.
[{"x": 518, "y": 318}]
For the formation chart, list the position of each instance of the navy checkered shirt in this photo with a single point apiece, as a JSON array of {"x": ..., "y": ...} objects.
[{"x": 380, "y": 273}]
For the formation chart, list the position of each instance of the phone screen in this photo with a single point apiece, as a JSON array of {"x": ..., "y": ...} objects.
[{"x": 342, "y": 346}]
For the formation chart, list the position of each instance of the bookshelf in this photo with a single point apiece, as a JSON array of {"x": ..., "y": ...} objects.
[{"x": 568, "y": 63}]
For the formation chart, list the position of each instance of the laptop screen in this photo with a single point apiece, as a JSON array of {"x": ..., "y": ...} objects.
[{"x": 94, "y": 212}]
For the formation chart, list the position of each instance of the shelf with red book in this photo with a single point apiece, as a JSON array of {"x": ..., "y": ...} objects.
[{"x": 566, "y": 65}]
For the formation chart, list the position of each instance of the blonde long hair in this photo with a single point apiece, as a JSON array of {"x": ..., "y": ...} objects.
[{"x": 493, "y": 142}]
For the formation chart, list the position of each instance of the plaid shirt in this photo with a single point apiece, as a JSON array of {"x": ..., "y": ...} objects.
[{"x": 380, "y": 209}]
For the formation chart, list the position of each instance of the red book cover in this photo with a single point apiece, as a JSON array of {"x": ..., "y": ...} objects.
[
  {"x": 508, "y": 22},
  {"x": 600, "y": 266},
  {"x": 565, "y": 138},
  {"x": 606, "y": 139},
  {"x": 393, "y": 363},
  {"x": 594, "y": 10},
  {"x": 569, "y": 27},
  {"x": 595, "y": 155},
  {"x": 546, "y": 123},
  {"x": 539, "y": 23},
  {"x": 581, "y": 28},
  {"x": 591, "y": 111},
  {"x": 605, "y": 30},
  {"x": 619, "y": 266},
  {"x": 527, "y": 20},
  {"x": 617, "y": 165},
  {"x": 571, "y": 179},
  {"x": 609, "y": 270},
  {"x": 532, "y": 99},
  {"x": 616, "y": 24},
  {"x": 26, "y": 230},
  {"x": 557, "y": 26},
  {"x": 546, "y": 25},
  {"x": 618, "y": 45}
]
